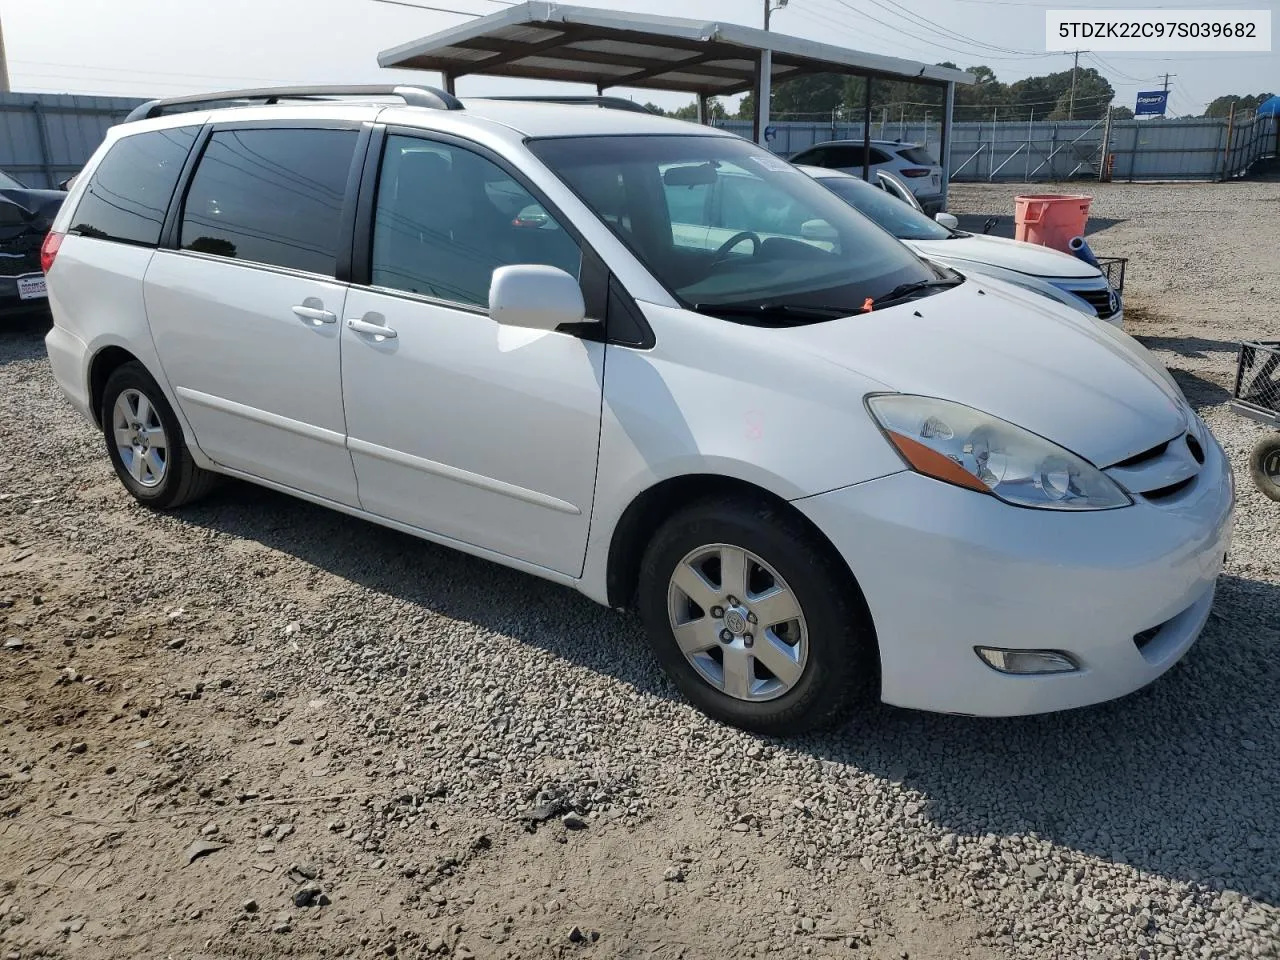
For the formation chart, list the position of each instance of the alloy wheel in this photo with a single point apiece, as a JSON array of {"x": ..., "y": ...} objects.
[{"x": 738, "y": 622}]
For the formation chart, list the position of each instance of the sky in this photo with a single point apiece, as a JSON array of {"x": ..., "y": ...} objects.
[{"x": 157, "y": 48}]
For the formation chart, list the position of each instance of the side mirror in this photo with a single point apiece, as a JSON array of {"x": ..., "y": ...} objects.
[
  {"x": 948, "y": 220},
  {"x": 819, "y": 230},
  {"x": 535, "y": 297}
]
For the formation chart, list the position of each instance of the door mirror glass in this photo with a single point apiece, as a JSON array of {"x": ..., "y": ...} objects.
[
  {"x": 948, "y": 220},
  {"x": 535, "y": 297}
]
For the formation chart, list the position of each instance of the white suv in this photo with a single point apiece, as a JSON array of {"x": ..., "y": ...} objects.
[{"x": 815, "y": 465}]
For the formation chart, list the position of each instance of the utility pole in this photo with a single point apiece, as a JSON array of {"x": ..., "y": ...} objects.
[
  {"x": 769, "y": 7},
  {"x": 4, "y": 64},
  {"x": 1166, "y": 81},
  {"x": 1071, "y": 107}
]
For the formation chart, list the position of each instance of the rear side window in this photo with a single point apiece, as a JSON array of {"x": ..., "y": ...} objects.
[
  {"x": 130, "y": 190},
  {"x": 270, "y": 196},
  {"x": 917, "y": 155}
]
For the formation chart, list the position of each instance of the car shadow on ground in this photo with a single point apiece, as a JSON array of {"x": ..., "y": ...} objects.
[
  {"x": 1180, "y": 780},
  {"x": 1167, "y": 780},
  {"x": 1004, "y": 227}
]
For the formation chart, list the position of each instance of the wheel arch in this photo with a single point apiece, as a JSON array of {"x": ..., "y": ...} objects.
[
  {"x": 652, "y": 506},
  {"x": 104, "y": 363}
]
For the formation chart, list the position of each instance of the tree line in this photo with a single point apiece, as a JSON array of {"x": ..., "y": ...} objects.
[{"x": 819, "y": 97}]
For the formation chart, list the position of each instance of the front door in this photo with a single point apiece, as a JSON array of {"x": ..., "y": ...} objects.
[
  {"x": 484, "y": 434},
  {"x": 245, "y": 315}
]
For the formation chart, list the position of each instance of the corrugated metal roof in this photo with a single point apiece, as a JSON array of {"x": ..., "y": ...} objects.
[{"x": 550, "y": 41}]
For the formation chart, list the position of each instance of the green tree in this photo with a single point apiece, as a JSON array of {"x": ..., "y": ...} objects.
[
  {"x": 1121, "y": 113},
  {"x": 690, "y": 110},
  {"x": 1092, "y": 96},
  {"x": 1244, "y": 103},
  {"x": 654, "y": 108}
]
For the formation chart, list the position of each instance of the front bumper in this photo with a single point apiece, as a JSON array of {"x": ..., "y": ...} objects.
[{"x": 945, "y": 570}]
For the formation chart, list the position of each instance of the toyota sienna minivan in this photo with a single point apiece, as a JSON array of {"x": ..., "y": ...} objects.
[{"x": 821, "y": 469}]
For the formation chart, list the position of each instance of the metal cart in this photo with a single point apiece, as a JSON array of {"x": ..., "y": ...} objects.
[
  {"x": 1113, "y": 269},
  {"x": 1257, "y": 396}
]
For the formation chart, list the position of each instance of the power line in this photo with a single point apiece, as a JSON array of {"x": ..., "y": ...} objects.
[
  {"x": 422, "y": 6},
  {"x": 943, "y": 46}
]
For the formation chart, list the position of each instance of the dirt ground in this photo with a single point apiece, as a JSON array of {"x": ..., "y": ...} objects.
[{"x": 256, "y": 729}]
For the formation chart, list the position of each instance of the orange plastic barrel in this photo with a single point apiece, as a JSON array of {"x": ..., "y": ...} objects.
[{"x": 1050, "y": 219}]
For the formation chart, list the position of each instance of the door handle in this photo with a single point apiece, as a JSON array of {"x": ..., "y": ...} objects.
[
  {"x": 375, "y": 330},
  {"x": 315, "y": 314}
]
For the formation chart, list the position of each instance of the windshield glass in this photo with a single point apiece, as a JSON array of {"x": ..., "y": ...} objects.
[
  {"x": 903, "y": 221},
  {"x": 723, "y": 223},
  {"x": 7, "y": 182}
]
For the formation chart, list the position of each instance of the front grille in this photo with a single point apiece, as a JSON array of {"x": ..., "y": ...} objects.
[
  {"x": 1144, "y": 456},
  {"x": 1100, "y": 300},
  {"x": 1163, "y": 493},
  {"x": 1197, "y": 451},
  {"x": 1162, "y": 471}
]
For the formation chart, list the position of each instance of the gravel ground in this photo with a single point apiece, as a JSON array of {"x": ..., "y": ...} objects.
[{"x": 402, "y": 751}]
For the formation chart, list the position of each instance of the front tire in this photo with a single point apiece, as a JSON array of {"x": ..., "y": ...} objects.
[
  {"x": 1264, "y": 465},
  {"x": 145, "y": 443},
  {"x": 755, "y": 618}
]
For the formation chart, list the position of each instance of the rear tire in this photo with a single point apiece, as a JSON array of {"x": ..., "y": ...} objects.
[
  {"x": 797, "y": 621},
  {"x": 145, "y": 443},
  {"x": 1264, "y": 465}
]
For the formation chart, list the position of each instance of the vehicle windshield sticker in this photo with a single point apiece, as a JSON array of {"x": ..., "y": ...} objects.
[{"x": 776, "y": 164}]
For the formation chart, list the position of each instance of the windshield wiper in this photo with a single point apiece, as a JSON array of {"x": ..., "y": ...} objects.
[
  {"x": 904, "y": 291},
  {"x": 773, "y": 311}
]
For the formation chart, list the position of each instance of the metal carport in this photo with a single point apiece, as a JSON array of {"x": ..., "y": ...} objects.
[{"x": 549, "y": 41}]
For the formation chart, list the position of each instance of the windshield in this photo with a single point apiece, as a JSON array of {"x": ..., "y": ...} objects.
[
  {"x": 8, "y": 183},
  {"x": 903, "y": 221},
  {"x": 724, "y": 224}
]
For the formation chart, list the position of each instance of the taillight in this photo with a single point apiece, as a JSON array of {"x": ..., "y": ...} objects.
[
  {"x": 915, "y": 171},
  {"x": 49, "y": 250}
]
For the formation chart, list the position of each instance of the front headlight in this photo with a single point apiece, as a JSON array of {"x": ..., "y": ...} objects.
[{"x": 957, "y": 444}]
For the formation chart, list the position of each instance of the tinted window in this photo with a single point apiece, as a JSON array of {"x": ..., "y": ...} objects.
[
  {"x": 270, "y": 196},
  {"x": 917, "y": 155},
  {"x": 130, "y": 190},
  {"x": 814, "y": 157},
  {"x": 879, "y": 156},
  {"x": 8, "y": 182},
  {"x": 447, "y": 218}
]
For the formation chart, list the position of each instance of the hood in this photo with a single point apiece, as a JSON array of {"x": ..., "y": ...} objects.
[
  {"x": 1029, "y": 258},
  {"x": 1087, "y": 387}
]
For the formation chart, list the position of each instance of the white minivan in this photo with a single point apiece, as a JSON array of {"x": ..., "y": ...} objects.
[{"x": 819, "y": 468}]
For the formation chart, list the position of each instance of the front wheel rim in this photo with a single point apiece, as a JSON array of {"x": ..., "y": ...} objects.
[
  {"x": 738, "y": 623},
  {"x": 140, "y": 438}
]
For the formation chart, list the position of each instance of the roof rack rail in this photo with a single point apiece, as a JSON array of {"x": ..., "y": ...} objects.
[
  {"x": 414, "y": 96},
  {"x": 608, "y": 103}
]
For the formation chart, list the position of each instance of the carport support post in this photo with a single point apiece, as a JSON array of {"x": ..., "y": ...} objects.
[
  {"x": 448, "y": 83},
  {"x": 704, "y": 114},
  {"x": 763, "y": 91},
  {"x": 944, "y": 148},
  {"x": 866, "y": 132}
]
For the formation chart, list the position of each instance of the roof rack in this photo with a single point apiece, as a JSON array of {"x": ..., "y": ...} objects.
[
  {"x": 414, "y": 96},
  {"x": 608, "y": 103}
]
